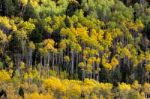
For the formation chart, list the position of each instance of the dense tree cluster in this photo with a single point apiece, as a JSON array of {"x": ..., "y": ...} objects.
[
  {"x": 79, "y": 40},
  {"x": 54, "y": 88}
]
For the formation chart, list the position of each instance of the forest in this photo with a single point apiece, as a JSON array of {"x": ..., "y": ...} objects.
[{"x": 74, "y": 49}]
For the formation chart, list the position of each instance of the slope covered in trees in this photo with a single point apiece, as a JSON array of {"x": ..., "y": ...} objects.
[{"x": 75, "y": 48}]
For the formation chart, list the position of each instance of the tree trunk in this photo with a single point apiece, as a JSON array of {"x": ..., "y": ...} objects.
[
  {"x": 72, "y": 62},
  {"x": 53, "y": 61}
]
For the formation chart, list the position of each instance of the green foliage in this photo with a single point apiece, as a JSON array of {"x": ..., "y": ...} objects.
[{"x": 53, "y": 73}]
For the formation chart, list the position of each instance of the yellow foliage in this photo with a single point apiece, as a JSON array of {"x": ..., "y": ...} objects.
[
  {"x": 123, "y": 87},
  {"x": 48, "y": 29},
  {"x": 147, "y": 56},
  {"x": 10, "y": 72},
  {"x": 22, "y": 65},
  {"x": 89, "y": 85},
  {"x": 34, "y": 3},
  {"x": 147, "y": 67},
  {"x": 134, "y": 60},
  {"x": 4, "y": 75},
  {"x": 98, "y": 60},
  {"x": 6, "y": 22},
  {"x": 26, "y": 76},
  {"x": 54, "y": 84},
  {"x": 43, "y": 51},
  {"x": 139, "y": 24},
  {"x": 135, "y": 26},
  {"x": 49, "y": 44},
  {"x": 116, "y": 32},
  {"x": 141, "y": 57},
  {"x": 39, "y": 96},
  {"x": 27, "y": 26},
  {"x": 89, "y": 68},
  {"x": 108, "y": 38},
  {"x": 66, "y": 58},
  {"x": 90, "y": 82},
  {"x": 147, "y": 87},
  {"x": 3, "y": 38},
  {"x": 21, "y": 35},
  {"x": 86, "y": 90},
  {"x": 90, "y": 61},
  {"x": 62, "y": 44},
  {"x": 126, "y": 52},
  {"x": 9, "y": 37},
  {"x": 65, "y": 97},
  {"x": 107, "y": 66},
  {"x": 78, "y": 48},
  {"x": 105, "y": 86},
  {"x": 32, "y": 74},
  {"x": 14, "y": 27},
  {"x": 31, "y": 45},
  {"x": 114, "y": 62},
  {"x": 100, "y": 35},
  {"x": 76, "y": 89},
  {"x": 136, "y": 85},
  {"x": 82, "y": 34},
  {"x": 94, "y": 97},
  {"x": 24, "y": 2},
  {"x": 82, "y": 65},
  {"x": 73, "y": 88}
]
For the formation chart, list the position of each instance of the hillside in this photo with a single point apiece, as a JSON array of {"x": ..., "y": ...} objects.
[{"x": 75, "y": 49}]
